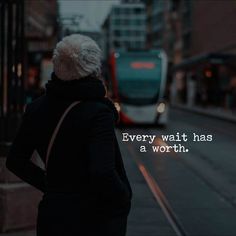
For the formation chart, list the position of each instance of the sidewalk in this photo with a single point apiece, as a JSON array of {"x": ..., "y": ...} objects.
[
  {"x": 25, "y": 233},
  {"x": 218, "y": 113}
]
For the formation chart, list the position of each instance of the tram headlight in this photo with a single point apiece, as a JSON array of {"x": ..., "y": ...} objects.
[
  {"x": 161, "y": 107},
  {"x": 117, "y": 106},
  {"x": 117, "y": 55}
]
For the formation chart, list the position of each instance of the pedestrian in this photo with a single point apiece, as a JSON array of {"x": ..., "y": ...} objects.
[{"x": 84, "y": 184}]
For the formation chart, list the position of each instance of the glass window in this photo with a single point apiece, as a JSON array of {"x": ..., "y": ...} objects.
[
  {"x": 126, "y": 44},
  {"x": 133, "y": 22},
  {"x": 127, "y": 11},
  {"x": 127, "y": 32},
  {"x": 138, "y": 33},
  {"x": 139, "y": 22},
  {"x": 126, "y": 22},
  {"x": 117, "y": 32},
  {"x": 139, "y": 85},
  {"x": 116, "y": 44},
  {"x": 138, "y": 10},
  {"x": 136, "y": 45},
  {"x": 122, "y": 32},
  {"x": 117, "y": 11},
  {"x": 122, "y": 21},
  {"x": 187, "y": 41},
  {"x": 117, "y": 21}
]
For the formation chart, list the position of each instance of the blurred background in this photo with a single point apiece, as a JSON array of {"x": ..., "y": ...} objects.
[{"x": 170, "y": 64}]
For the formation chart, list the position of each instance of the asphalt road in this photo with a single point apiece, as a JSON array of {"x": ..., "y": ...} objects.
[
  {"x": 199, "y": 185},
  {"x": 181, "y": 193}
]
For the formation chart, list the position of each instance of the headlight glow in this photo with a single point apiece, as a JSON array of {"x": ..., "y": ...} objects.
[
  {"x": 161, "y": 107},
  {"x": 117, "y": 55}
]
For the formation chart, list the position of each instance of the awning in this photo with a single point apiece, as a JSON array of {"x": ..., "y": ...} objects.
[{"x": 211, "y": 58}]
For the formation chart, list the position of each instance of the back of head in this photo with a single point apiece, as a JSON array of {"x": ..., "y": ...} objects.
[{"x": 75, "y": 57}]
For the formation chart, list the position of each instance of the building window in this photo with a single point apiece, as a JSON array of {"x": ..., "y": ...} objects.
[
  {"x": 117, "y": 11},
  {"x": 187, "y": 41},
  {"x": 139, "y": 22},
  {"x": 127, "y": 32},
  {"x": 122, "y": 32},
  {"x": 139, "y": 44},
  {"x": 116, "y": 21},
  {"x": 117, "y": 33},
  {"x": 127, "y": 11},
  {"x": 138, "y": 11},
  {"x": 137, "y": 33},
  {"x": 116, "y": 44},
  {"x": 126, "y": 22},
  {"x": 127, "y": 44}
]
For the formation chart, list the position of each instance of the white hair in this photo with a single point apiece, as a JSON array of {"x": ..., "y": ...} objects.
[{"x": 76, "y": 56}]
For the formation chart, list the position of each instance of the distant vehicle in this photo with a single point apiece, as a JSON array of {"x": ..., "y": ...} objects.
[{"x": 138, "y": 81}]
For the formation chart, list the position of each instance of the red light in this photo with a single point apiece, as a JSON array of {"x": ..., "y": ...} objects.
[
  {"x": 125, "y": 119},
  {"x": 208, "y": 73},
  {"x": 142, "y": 65}
]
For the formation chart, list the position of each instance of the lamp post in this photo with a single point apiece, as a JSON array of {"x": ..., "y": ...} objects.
[{"x": 11, "y": 68}]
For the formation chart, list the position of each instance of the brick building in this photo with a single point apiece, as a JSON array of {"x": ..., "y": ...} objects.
[
  {"x": 190, "y": 27},
  {"x": 196, "y": 35},
  {"x": 204, "y": 52},
  {"x": 213, "y": 27},
  {"x": 169, "y": 27}
]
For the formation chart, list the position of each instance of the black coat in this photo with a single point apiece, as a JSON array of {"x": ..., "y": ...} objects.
[{"x": 86, "y": 187}]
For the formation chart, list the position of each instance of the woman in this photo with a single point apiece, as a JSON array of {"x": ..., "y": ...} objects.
[{"x": 86, "y": 190}]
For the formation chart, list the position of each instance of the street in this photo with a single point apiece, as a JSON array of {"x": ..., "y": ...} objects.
[
  {"x": 181, "y": 193},
  {"x": 169, "y": 64},
  {"x": 199, "y": 185}
]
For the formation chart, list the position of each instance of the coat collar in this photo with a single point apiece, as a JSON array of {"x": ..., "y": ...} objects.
[{"x": 87, "y": 88}]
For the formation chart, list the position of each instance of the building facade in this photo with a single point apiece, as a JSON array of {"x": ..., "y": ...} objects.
[
  {"x": 125, "y": 27},
  {"x": 198, "y": 37},
  {"x": 80, "y": 24},
  {"x": 213, "y": 27},
  {"x": 41, "y": 34},
  {"x": 204, "y": 53},
  {"x": 169, "y": 27},
  {"x": 186, "y": 28}
]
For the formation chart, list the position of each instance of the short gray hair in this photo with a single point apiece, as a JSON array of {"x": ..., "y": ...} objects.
[{"x": 76, "y": 56}]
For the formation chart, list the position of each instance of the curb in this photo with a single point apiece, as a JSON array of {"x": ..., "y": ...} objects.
[{"x": 202, "y": 111}]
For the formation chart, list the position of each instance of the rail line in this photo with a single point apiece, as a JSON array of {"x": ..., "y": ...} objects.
[{"x": 159, "y": 196}]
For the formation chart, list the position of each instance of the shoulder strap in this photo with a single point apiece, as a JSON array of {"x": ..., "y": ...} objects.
[{"x": 56, "y": 131}]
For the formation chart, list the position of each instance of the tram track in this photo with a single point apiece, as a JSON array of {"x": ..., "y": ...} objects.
[
  {"x": 211, "y": 178},
  {"x": 158, "y": 195},
  {"x": 205, "y": 172}
]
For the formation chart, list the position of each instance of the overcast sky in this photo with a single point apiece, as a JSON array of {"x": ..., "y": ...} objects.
[{"x": 94, "y": 11}]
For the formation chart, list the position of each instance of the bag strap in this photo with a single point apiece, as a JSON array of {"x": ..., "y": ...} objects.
[{"x": 56, "y": 131}]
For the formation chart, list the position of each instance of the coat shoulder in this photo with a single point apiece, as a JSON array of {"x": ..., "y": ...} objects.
[
  {"x": 97, "y": 109},
  {"x": 36, "y": 103}
]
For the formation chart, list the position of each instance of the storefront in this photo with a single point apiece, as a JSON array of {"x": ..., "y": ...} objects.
[{"x": 206, "y": 80}]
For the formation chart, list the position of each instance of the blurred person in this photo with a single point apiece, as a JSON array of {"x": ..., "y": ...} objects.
[{"x": 86, "y": 190}]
